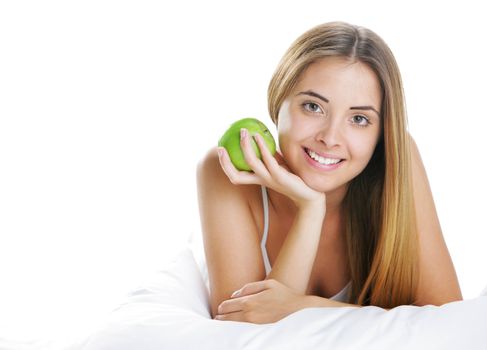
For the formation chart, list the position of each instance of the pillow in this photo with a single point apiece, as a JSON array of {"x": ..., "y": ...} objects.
[{"x": 172, "y": 312}]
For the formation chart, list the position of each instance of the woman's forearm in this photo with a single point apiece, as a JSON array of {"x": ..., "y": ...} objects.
[
  {"x": 317, "y": 301},
  {"x": 296, "y": 258}
]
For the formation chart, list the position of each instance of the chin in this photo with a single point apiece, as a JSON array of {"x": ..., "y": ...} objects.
[
  {"x": 326, "y": 186},
  {"x": 319, "y": 185}
]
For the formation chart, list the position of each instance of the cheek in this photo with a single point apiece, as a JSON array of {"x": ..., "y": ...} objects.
[
  {"x": 362, "y": 148},
  {"x": 291, "y": 136},
  {"x": 286, "y": 130}
]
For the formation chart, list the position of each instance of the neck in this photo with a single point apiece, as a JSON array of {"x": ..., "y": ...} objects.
[{"x": 334, "y": 200}]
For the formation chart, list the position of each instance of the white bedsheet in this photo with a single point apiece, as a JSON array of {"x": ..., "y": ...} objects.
[{"x": 172, "y": 312}]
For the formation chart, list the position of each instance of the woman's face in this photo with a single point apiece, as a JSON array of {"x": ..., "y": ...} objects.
[{"x": 334, "y": 111}]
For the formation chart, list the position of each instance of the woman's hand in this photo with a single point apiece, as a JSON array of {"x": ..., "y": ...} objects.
[
  {"x": 260, "y": 302},
  {"x": 270, "y": 172}
]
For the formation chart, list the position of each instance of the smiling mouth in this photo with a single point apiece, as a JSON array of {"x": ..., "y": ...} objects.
[{"x": 322, "y": 160}]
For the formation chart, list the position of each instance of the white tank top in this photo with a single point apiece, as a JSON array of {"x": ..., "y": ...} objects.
[{"x": 341, "y": 296}]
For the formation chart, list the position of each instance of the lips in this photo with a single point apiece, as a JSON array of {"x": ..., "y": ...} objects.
[
  {"x": 323, "y": 155},
  {"x": 320, "y": 166}
]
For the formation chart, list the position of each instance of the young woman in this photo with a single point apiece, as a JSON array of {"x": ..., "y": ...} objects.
[{"x": 343, "y": 214}]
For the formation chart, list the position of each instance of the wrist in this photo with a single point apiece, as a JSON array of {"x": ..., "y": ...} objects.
[{"x": 317, "y": 206}]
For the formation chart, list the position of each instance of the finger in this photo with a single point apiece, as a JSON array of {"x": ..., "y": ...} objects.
[
  {"x": 229, "y": 306},
  {"x": 234, "y": 316},
  {"x": 269, "y": 160},
  {"x": 279, "y": 158},
  {"x": 235, "y": 176},
  {"x": 246, "y": 144},
  {"x": 281, "y": 161},
  {"x": 253, "y": 288}
]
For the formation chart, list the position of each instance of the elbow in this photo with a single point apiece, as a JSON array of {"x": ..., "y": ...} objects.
[
  {"x": 439, "y": 301},
  {"x": 454, "y": 296}
]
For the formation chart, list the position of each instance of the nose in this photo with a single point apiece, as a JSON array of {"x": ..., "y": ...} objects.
[{"x": 329, "y": 133}]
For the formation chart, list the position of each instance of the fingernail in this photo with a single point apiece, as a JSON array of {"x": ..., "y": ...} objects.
[
  {"x": 235, "y": 294},
  {"x": 243, "y": 133},
  {"x": 220, "y": 152}
]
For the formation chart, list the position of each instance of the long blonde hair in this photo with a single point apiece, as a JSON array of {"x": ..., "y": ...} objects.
[{"x": 380, "y": 229}]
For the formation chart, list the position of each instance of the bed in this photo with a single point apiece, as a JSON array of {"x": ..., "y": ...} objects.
[{"x": 171, "y": 311}]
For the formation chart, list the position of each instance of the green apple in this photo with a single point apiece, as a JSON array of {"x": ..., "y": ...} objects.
[{"x": 231, "y": 141}]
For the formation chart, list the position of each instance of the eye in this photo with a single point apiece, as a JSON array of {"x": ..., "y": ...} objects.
[
  {"x": 312, "y": 107},
  {"x": 361, "y": 120}
]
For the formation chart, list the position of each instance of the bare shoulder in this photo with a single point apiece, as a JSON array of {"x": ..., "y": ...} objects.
[
  {"x": 438, "y": 280},
  {"x": 212, "y": 179},
  {"x": 230, "y": 236}
]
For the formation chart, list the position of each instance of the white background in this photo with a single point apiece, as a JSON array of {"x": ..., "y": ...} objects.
[{"x": 107, "y": 106}]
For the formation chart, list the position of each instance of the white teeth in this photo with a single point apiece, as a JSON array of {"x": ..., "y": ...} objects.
[{"x": 321, "y": 160}]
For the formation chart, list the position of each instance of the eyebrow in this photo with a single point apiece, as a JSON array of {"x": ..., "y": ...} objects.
[{"x": 314, "y": 94}]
